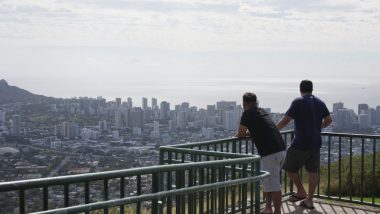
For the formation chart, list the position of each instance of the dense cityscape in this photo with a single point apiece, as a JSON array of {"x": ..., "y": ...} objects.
[{"x": 83, "y": 135}]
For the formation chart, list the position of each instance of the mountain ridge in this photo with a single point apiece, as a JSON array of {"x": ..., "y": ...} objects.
[{"x": 13, "y": 94}]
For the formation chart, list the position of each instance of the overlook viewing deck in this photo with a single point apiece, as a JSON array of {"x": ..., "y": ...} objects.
[{"x": 221, "y": 176}]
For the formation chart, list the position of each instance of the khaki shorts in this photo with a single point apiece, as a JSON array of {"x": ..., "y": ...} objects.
[{"x": 272, "y": 163}]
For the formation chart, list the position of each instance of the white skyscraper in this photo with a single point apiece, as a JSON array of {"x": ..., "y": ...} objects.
[
  {"x": 156, "y": 130},
  {"x": 15, "y": 125},
  {"x": 230, "y": 120},
  {"x": 3, "y": 116},
  {"x": 364, "y": 121},
  {"x": 115, "y": 135},
  {"x": 182, "y": 120},
  {"x": 346, "y": 118},
  {"x": 118, "y": 120}
]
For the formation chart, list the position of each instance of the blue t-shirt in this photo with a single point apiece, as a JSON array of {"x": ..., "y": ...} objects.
[{"x": 308, "y": 113}]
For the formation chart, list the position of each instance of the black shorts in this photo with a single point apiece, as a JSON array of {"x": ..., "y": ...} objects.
[{"x": 296, "y": 159}]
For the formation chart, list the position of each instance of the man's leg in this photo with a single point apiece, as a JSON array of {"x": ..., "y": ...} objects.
[
  {"x": 297, "y": 181},
  {"x": 312, "y": 167},
  {"x": 276, "y": 198},
  {"x": 313, "y": 182},
  {"x": 268, "y": 202}
]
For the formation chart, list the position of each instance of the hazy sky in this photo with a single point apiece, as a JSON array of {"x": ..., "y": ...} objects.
[{"x": 199, "y": 51}]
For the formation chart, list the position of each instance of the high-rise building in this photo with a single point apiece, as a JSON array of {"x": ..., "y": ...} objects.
[
  {"x": 118, "y": 119},
  {"x": 372, "y": 116},
  {"x": 102, "y": 125},
  {"x": 73, "y": 130},
  {"x": 87, "y": 134},
  {"x": 144, "y": 103},
  {"x": 154, "y": 103},
  {"x": 336, "y": 107},
  {"x": 136, "y": 117},
  {"x": 156, "y": 130},
  {"x": 226, "y": 105},
  {"x": 377, "y": 115},
  {"x": 15, "y": 125},
  {"x": 230, "y": 120},
  {"x": 115, "y": 135},
  {"x": 171, "y": 125},
  {"x": 185, "y": 106},
  {"x": 67, "y": 130},
  {"x": 118, "y": 102},
  {"x": 364, "y": 121},
  {"x": 211, "y": 110},
  {"x": 3, "y": 116},
  {"x": 182, "y": 120},
  {"x": 164, "y": 110},
  {"x": 130, "y": 103},
  {"x": 345, "y": 118},
  {"x": 362, "y": 108},
  {"x": 208, "y": 133}
]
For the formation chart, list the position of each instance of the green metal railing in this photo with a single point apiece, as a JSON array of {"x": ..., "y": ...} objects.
[
  {"x": 352, "y": 170},
  {"x": 221, "y": 176},
  {"x": 187, "y": 178}
]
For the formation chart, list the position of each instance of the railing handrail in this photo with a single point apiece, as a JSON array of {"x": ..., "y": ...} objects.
[
  {"x": 337, "y": 134},
  {"x": 69, "y": 179},
  {"x": 152, "y": 196}
]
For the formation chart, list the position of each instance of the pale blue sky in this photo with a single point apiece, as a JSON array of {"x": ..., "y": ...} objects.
[{"x": 200, "y": 51}]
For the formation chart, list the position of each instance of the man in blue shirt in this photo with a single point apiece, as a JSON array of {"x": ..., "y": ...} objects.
[{"x": 310, "y": 115}]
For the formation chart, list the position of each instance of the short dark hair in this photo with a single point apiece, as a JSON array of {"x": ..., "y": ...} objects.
[
  {"x": 249, "y": 97},
  {"x": 306, "y": 86}
]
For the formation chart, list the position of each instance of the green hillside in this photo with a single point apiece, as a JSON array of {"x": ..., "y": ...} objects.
[{"x": 368, "y": 184}]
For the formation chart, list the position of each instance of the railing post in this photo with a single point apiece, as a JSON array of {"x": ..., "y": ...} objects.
[
  {"x": 221, "y": 172},
  {"x": 244, "y": 191},
  {"x": 138, "y": 205},
  {"x": 22, "y": 201},
  {"x": 328, "y": 167},
  {"x": 87, "y": 193},
  {"x": 350, "y": 169},
  {"x": 122, "y": 193},
  {"x": 362, "y": 173},
  {"x": 155, "y": 188},
  {"x": 66, "y": 202},
  {"x": 257, "y": 189},
  {"x": 233, "y": 189},
  {"x": 340, "y": 167},
  {"x": 374, "y": 171},
  {"x": 45, "y": 198},
  {"x": 105, "y": 195}
]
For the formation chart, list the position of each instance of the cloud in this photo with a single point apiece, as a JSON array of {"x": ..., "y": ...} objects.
[{"x": 196, "y": 24}]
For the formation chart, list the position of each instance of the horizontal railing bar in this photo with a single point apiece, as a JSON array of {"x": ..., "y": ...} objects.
[
  {"x": 206, "y": 153},
  {"x": 151, "y": 196},
  {"x": 70, "y": 179},
  {"x": 238, "y": 169},
  {"x": 206, "y": 143},
  {"x": 350, "y": 135}
]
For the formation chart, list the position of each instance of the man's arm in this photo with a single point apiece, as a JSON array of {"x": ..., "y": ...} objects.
[
  {"x": 326, "y": 121},
  {"x": 242, "y": 131},
  {"x": 283, "y": 122}
]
